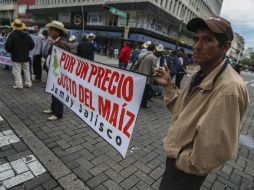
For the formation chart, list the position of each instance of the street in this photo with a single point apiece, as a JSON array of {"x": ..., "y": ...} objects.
[{"x": 67, "y": 154}]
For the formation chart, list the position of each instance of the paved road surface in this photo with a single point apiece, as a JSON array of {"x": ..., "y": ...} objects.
[{"x": 69, "y": 155}]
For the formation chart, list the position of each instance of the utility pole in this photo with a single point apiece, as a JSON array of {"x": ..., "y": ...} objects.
[
  {"x": 16, "y": 9},
  {"x": 126, "y": 28},
  {"x": 119, "y": 13},
  {"x": 239, "y": 55},
  {"x": 179, "y": 33}
]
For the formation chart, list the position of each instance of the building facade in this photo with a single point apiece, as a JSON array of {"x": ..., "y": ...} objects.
[
  {"x": 159, "y": 21},
  {"x": 236, "y": 50},
  {"x": 248, "y": 52},
  {"x": 6, "y": 10},
  {"x": 10, "y": 9}
]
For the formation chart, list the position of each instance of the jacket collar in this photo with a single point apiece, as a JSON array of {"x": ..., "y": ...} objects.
[{"x": 209, "y": 80}]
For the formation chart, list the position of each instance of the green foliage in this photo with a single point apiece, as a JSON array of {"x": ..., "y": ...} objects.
[
  {"x": 252, "y": 55},
  {"x": 4, "y": 21},
  {"x": 247, "y": 61}
]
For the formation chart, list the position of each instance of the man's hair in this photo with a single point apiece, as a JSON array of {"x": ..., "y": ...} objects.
[
  {"x": 151, "y": 47},
  {"x": 182, "y": 50},
  {"x": 222, "y": 39}
]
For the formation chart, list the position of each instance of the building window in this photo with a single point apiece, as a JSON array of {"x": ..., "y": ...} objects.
[{"x": 94, "y": 18}]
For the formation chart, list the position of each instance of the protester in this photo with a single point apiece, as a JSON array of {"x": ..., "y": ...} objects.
[
  {"x": 56, "y": 32},
  {"x": 116, "y": 52},
  {"x": 91, "y": 38},
  {"x": 207, "y": 114},
  {"x": 160, "y": 51},
  {"x": 147, "y": 63},
  {"x": 124, "y": 56},
  {"x": 73, "y": 44},
  {"x": 111, "y": 52},
  {"x": 173, "y": 64},
  {"x": 134, "y": 58},
  {"x": 182, "y": 69},
  {"x": 18, "y": 44},
  {"x": 145, "y": 46},
  {"x": 39, "y": 40},
  {"x": 85, "y": 49},
  {"x": 31, "y": 32}
]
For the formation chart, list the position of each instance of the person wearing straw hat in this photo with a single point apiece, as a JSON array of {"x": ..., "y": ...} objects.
[
  {"x": 73, "y": 44},
  {"x": 56, "y": 31},
  {"x": 85, "y": 49},
  {"x": 147, "y": 63},
  {"x": 91, "y": 38},
  {"x": 145, "y": 46},
  {"x": 161, "y": 62},
  {"x": 18, "y": 44},
  {"x": 160, "y": 55}
]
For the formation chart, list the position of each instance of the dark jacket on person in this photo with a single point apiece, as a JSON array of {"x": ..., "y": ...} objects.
[
  {"x": 85, "y": 49},
  {"x": 18, "y": 44},
  {"x": 173, "y": 64}
]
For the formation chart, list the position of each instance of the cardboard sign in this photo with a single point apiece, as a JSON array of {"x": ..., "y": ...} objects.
[{"x": 106, "y": 98}]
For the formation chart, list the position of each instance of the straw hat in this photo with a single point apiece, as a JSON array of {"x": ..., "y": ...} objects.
[
  {"x": 18, "y": 25},
  {"x": 91, "y": 36},
  {"x": 160, "y": 47},
  {"x": 72, "y": 38},
  {"x": 146, "y": 44},
  {"x": 58, "y": 25}
]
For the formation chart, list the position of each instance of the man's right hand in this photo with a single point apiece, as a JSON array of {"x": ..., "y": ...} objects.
[{"x": 162, "y": 76}]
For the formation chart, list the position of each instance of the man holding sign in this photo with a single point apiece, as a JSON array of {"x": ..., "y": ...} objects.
[
  {"x": 207, "y": 113},
  {"x": 106, "y": 98},
  {"x": 56, "y": 31}
]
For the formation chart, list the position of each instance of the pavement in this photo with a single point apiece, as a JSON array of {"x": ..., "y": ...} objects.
[{"x": 67, "y": 154}]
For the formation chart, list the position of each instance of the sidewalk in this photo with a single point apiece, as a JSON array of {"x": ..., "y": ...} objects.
[{"x": 88, "y": 161}]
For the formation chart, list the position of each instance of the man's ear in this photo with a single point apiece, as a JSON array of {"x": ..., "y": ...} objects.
[{"x": 226, "y": 46}]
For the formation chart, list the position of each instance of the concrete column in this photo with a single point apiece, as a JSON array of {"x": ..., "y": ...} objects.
[
  {"x": 176, "y": 7},
  {"x": 16, "y": 10},
  {"x": 167, "y": 8},
  {"x": 159, "y": 2},
  {"x": 180, "y": 6},
  {"x": 172, "y": 6}
]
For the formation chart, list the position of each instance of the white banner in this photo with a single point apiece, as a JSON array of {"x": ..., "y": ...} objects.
[
  {"x": 106, "y": 98},
  {"x": 5, "y": 58}
]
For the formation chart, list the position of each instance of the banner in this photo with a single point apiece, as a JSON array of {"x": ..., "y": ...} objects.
[
  {"x": 5, "y": 58},
  {"x": 106, "y": 98}
]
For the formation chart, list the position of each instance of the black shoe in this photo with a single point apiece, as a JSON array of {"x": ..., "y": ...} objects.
[{"x": 150, "y": 100}]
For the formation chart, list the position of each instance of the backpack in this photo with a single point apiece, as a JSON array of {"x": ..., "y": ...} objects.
[
  {"x": 136, "y": 66},
  {"x": 173, "y": 64}
]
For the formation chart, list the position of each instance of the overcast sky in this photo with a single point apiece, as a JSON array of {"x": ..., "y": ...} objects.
[{"x": 241, "y": 15}]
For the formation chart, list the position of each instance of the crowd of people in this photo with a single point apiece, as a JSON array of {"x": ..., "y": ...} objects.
[
  {"x": 30, "y": 49},
  {"x": 150, "y": 57},
  {"x": 38, "y": 42}
]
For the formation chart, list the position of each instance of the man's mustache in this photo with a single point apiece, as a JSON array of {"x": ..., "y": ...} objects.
[{"x": 198, "y": 53}]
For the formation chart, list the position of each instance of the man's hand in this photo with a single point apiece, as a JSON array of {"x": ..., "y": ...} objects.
[{"x": 162, "y": 76}]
